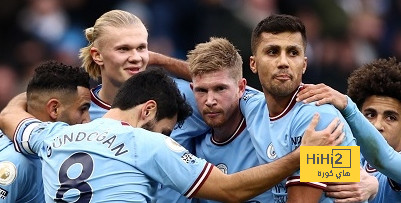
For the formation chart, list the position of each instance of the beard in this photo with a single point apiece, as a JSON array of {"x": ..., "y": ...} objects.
[
  {"x": 150, "y": 125},
  {"x": 215, "y": 122},
  {"x": 282, "y": 90},
  {"x": 278, "y": 88}
]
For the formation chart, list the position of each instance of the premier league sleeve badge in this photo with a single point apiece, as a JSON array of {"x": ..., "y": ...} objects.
[{"x": 8, "y": 172}]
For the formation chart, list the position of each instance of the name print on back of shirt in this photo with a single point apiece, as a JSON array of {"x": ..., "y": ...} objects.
[{"x": 104, "y": 138}]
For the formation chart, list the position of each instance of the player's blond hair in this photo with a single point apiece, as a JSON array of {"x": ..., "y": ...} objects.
[
  {"x": 114, "y": 18},
  {"x": 217, "y": 54}
]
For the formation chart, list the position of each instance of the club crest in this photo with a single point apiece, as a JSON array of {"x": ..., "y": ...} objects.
[
  {"x": 271, "y": 153},
  {"x": 223, "y": 168}
]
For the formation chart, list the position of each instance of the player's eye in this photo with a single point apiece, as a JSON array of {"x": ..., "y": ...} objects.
[
  {"x": 122, "y": 49},
  {"x": 391, "y": 118},
  {"x": 369, "y": 115},
  {"x": 220, "y": 88},
  {"x": 294, "y": 52},
  {"x": 200, "y": 90},
  {"x": 271, "y": 52},
  {"x": 141, "y": 48}
]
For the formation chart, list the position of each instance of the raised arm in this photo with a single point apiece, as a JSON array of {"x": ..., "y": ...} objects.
[
  {"x": 243, "y": 185},
  {"x": 177, "y": 67},
  {"x": 374, "y": 147},
  {"x": 13, "y": 114}
]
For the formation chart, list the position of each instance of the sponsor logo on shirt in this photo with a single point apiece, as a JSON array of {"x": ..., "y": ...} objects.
[
  {"x": 3, "y": 193},
  {"x": 248, "y": 95},
  {"x": 188, "y": 158}
]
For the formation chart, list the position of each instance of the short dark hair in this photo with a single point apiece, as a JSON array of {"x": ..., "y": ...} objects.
[
  {"x": 381, "y": 77},
  {"x": 153, "y": 84},
  {"x": 55, "y": 76},
  {"x": 277, "y": 23}
]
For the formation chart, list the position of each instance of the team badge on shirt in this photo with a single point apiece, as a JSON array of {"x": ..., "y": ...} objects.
[
  {"x": 8, "y": 172},
  {"x": 173, "y": 145},
  {"x": 223, "y": 168},
  {"x": 270, "y": 151}
]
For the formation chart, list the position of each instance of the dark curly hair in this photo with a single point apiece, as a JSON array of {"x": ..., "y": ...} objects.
[
  {"x": 55, "y": 76},
  {"x": 381, "y": 77}
]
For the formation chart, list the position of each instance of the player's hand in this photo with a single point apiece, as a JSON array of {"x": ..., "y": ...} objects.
[
  {"x": 322, "y": 94},
  {"x": 354, "y": 191},
  {"x": 332, "y": 135}
]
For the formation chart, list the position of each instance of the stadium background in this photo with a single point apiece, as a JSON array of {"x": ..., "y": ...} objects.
[{"x": 342, "y": 34}]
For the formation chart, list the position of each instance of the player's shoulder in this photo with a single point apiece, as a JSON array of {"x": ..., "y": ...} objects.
[
  {"x": 183, "y": 85},
  {"x": 252, "y": 95},
  {"x": 11, "y": 159},
  {"x": 4, "y": 141},
  {"x": 49, "y": 126},
  {"x": 147, "y": 135},
  {"x": 313, "y": 108},
  {"x": 121, "y": 127}
]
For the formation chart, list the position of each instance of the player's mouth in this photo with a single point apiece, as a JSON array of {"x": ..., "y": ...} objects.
[
  {"x": 282, "y": 77},
  {"x": 133, "y": 71},
  {"x": 211, "y": 114}
]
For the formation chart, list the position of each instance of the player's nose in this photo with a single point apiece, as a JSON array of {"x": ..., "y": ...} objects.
[{"x": 378, "y": 125}]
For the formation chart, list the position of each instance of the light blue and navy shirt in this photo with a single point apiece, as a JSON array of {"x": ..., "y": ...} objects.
[
  {"x": 379, "y": 158},
  {"x": 108, "y": 160},
  {"x": 231, "y": 156},
  {"x": 20, "y": 176},
  {"x": 98, "y": 107},
  {"x": 374, "y": 147},
  {"x": 389, "y": 190},
  {"x": 275, "y": 137},
  {"x": 193, "y": 125}
]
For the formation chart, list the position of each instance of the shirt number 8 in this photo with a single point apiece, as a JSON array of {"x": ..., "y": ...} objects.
[{"x": 79, "y": 183}]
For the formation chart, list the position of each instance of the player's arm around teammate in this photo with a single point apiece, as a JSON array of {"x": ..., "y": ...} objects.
[{"x": 226, "y": 188}]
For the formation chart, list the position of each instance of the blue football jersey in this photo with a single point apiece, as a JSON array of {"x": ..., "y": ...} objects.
[
  {"x": 374, "y": 147},
  {"x": 98, "y": 107},
  {"x": 275, "y": 137},
  {"x": 193, "y": 125},
  {"x": 389, "y": 190},
  {"x": 185, "y": 135},
  {"x": 20, "y": 176},
  {"x": 108, "y": 160},
  {"x": 188, "y": 134},
  {"x": 234, "y": 155}
]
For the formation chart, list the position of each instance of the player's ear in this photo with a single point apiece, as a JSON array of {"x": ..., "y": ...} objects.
[
  {"x": 241, "y": 86},
  {"x": 252, "y": 64},
  {"x": 96, "y": 56},
  {"x": 52, "y": 107},
  {"x": 149, "y": 110},
  {"x": 305, "y": 65}
]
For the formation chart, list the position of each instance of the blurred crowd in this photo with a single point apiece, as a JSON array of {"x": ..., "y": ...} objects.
[{"x": 342, "y": 34}]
